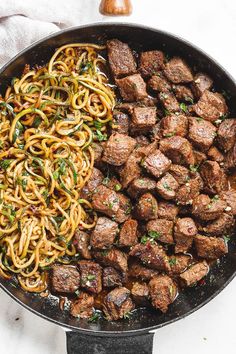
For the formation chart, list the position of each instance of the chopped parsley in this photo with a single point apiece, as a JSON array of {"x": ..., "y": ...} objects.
[
  {"x": 4, "y": 164},
  {"x": 169, "y": 135},
  {"x": 194, "y": 168},
  {"x": 97, "y": 124},
  {"x": 100, "y": 136},
  {"x": 167, "y": 187},
  {"x": 226, "y": 238},
  {"x": 85, "y": 67},
  {"x": 106, "y": 181},
  {"x": 91, "y": 277},
  {"x": 154, "y": 234},
  {"x": 95, "y": 317},
  {"x": 183, "y": 107},
  {"x": 144, "y": 239},
  {"x": 117, "y": 187},
  {"x": 172, "y": 261}
]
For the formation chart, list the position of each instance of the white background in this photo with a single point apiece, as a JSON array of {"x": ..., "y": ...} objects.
[{"x": 211, "y": 25}]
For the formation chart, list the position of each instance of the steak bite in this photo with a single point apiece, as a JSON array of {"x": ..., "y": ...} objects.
[
  {"x": 120, "y": 58},
  {"x": 128, "y": 233},
  {"x": 178, "y": 150},
  {"x": 146, "y": 207},
  {"x": 98, "y": 151},
  {"x": 81, "y": 241},
  {"x": 117, "y": 304},
  {"x": 215, "y": 155},
  {"x": 163, "y": 292},
  {"x": 201, "y": 83},
  {"x": 140, "y": 294},
  {"x": 167, "y": 186},
  {"x": 177, "y": 71},
  {"x": 180, "y": 173},
  {"x": 64, "y": 279},
  {"x": 214, "y": 177},
  {"x": 169, "y": 101},
  {"x": 230, "y": 159},
  {"x": 111, "y": 278},
  {"x": 141, "y": 185},
  {"x": 104, "y": 234},
  {"x": 179, "y": 263},
  {"x": 210, "y": 247},
  {"x": 151, "y": 62},
  {"x": 161, "y": 230},
  {"x": 220, "y": 226},
  {"x": 90, "y": 276},
  {"x": 82, "y": 307},
  {"x": 120, "y": 123},
  {"x": 94, "y": 181},
  {"x": 206, "y": 208},
  {"x": 152, "y": 255},
  {"x": 201, "y": 133},
  {"x": 105, "y": 201},
  {"x": 132, "y": 88},
  {"x": 190, "y": 190},
  {"x": 184, "y": 232},
  {"x": 156, "y": 163},
  {"x": 211, "y": 106},
  {"x": 167, "y": 210},
  {"x": 229, "y": 198},
  {"x": 125, "y": 208},
  {"x": 143, "y": 119},
  {"x": 131, "y": 170},
  {"x": 183, "y": 93},
  {"x": 195, "y": 273},
  {"x": 113, "y": 258},
  {"x": 199, "y": 157},
  {"x": 159, "y": 83},
  {"x": 138, "y": 271},
  {"x": 118, "y": 149},
  {"x": 174, "y": 125},
  {"x": 226, "y": 134}
]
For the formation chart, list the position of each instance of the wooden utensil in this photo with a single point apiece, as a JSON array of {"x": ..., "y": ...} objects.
[{"x": 116, "y": 7}]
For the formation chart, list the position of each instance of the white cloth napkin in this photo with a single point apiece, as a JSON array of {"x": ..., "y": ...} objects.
[{"x": 25, "y": 21}]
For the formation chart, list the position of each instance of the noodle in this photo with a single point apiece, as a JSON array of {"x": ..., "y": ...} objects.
[{"x": 48, "y": 120}]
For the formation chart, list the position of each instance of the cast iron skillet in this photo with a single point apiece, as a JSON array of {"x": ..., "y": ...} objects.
[{"x": 125, "y": 336}]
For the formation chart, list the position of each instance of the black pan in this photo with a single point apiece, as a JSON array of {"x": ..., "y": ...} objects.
[{"x": 125, "y": 336}]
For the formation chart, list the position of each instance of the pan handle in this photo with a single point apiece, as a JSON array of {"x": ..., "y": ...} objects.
[{"x": 78, "y": 343}]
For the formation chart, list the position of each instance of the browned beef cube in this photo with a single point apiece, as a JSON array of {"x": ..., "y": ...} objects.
[
  {"x": 143, "y": 119},
  {"x": 174, "y": 125},
  {"x": 230, "y": 199},
  {"x": 112, "y": 183},
  {"x": 111, "y": 278},
  {"x": 139, "y": 271},
  {"x": 132, "y": 88},
  {"x": 161, "y": 230},
  {"x": 118, "y": 149},
  {"x": 90, "y": 276},
  {"x": 184, "y": 231},
  {"x": 65, "y": 279},
  {"x": 130, "y": 170},
  {"x": 199, "y": 157},
  {"x": 178, "y": 150},
  {"x": 187, "y": 192},
  {"x": 81, "y": 241},
  {"x": 104, "y": 234},
  {"x": 167, "y": 186},
  {"x": 128, "y": 233},
  {"x": 210, "y": 247},
  {"x": 179, "y": 263},
  {"x": 167, "y": 210},
  {"x": 146, "y": 150},
  {"x": 195, "y": 273},
  {"x": 159, "y": 83},
  {"x": 215, "y": 155},
  {"x": 105, "y": 201},
  {"x": 117, "y": 304},
  {"x": 151, "y": 62},
  {"x": 201, "y": 133},
  {"x": 220, "y": 226},
  {"x": 141, "y": 185},
  {"x": 156, "y": 163},
  {"x": 213, "y": 177},
  {"x": 230, "y": 158},
  {"x": 98, "y": 151},
  {"x": 82, "y": 307},
  {"x": 177, "y": 71},
  {"x": 113, "y": 258},
  {"x": 183, "y": 93},
  {"x": 201, "y": 83},
  {"x": 125, "y": 208},
  {"x": 152, "y": 255},
  {"x": 94, "y": 181},
  {"x": 146, "y": 207},
  {"x": 169, "y": 101},
  {"x": 206, "y": 208},
  {"x": 140, "y": 294},
  {"x": 163, "y": 292},
  {"x": 180, "y": 173},
  {"x": 120, "y": 58},
  {"x": 120, "y": 123},
  {"x": 141, "y": 141},
  {"x": 226, "y": 135},
  {"x": 211, "y": 106}
]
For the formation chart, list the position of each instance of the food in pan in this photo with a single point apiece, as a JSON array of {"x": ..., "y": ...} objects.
[{"x": 116, "y": 178}]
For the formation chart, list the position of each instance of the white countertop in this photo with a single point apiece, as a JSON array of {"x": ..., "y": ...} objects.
[{"x": 211, "y": 25}]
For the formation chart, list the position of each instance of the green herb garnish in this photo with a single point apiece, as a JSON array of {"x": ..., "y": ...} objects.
[
  {"x": 4, "y": 164},
  {"x": 172, "y": 261},
  {"x": 167, "y": 187},
  {"x": 183, "y": 107},
  {"x": 154, "y": 234},
  {"x": 95, "y": 317},
  {"x": 91, "y": 277},
  {"x": 117, "y": 187},
  {"x": 100, "y": 136},
  {"x": 194, "y": 168}
]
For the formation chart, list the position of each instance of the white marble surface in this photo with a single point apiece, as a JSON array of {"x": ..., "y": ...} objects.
[{"x": 210, "y": 24}]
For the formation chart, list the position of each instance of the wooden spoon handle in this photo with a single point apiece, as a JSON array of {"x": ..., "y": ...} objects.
[{"x": 115, "y": 7}]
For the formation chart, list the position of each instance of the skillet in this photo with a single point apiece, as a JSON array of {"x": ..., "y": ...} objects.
[{"x": 136, "y": 334}]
